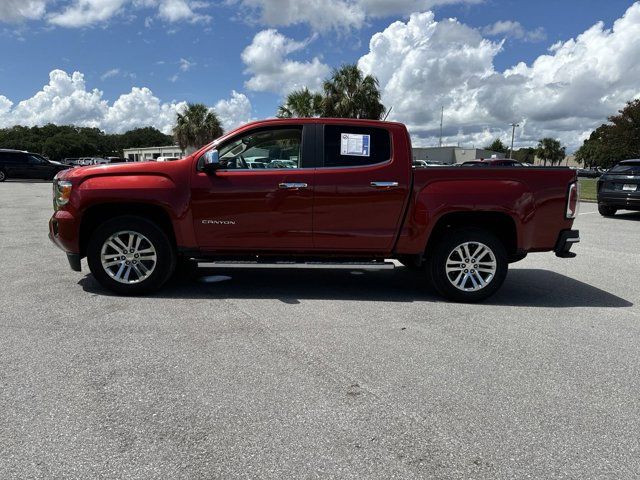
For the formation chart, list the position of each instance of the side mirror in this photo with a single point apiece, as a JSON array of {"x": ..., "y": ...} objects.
[{"x": 211, "y": 162}]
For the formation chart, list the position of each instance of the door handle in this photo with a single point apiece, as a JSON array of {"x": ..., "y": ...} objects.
[
  {"x": 384, "y": 184},
  {"x": 292, "y": 186}
]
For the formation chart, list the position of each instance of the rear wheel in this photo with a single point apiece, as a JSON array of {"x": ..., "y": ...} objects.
[
  {"x": 468, "y": 265},
  {"x": 606, "y": 210},
  {"x": 131, "y": 255},
  {"x": 3, "y": 176}
]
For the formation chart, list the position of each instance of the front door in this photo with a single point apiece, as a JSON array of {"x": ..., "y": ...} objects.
[{"x": 261, "y": 199}]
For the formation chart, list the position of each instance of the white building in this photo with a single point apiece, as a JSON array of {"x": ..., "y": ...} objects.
[
  {"x": 451, "y": 155},
  {"x": 151, "y": 153}
]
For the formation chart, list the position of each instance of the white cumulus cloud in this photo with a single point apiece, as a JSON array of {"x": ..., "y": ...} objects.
[
  {"x": 233, "y": 111},
  {"x": 20, "y": 10},
  {"x": 140, "y": 108},
  {"x": 270, "y": 69},
  {"x": 323, "y": 15},
  {"x": 83, "y": 13},
  {"x": 513, "y": 29},
  {"x": 424, "y": 64},
  {"x": 65, "y": 100}
]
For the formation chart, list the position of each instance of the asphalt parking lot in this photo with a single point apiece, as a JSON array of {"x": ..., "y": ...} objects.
[{"x": 319, "y": 373}]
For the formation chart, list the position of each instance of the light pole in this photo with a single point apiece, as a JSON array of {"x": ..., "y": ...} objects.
[{"x": 513, "y": 134}]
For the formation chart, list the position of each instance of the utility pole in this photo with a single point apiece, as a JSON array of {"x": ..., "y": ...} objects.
[
  {"x": 513, "y": 134},
  {"x": 441, "y": 122}
]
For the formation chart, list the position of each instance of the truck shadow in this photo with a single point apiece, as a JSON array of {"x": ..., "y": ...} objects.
[{"x": 523, "y": 287}]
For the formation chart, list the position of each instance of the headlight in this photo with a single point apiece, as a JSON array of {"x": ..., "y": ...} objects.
[{"x": 61, "y": 192}]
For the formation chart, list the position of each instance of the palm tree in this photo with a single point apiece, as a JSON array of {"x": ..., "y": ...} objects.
[
  {"x": 196, "y": 126},
  {"x": 350, "y": 94},
  {"x": 301, "y": 103},
  {"x": 550, "y": 149}
]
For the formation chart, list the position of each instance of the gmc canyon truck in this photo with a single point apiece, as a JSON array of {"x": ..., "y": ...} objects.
[{"x": 312, "y": 191}]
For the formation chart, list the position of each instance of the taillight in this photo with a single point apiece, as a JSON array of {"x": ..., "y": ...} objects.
[{"x": 573, "y": 200}]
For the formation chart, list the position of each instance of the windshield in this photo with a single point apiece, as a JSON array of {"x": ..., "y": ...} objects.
[{"x": 626, "y": 169}]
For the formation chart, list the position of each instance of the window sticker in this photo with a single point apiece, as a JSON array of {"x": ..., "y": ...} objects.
[{"x": 355, "y": 145}]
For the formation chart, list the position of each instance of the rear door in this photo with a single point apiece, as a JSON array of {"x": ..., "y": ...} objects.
[
  {"x": 361, "y": 187},
  {"x": 262, "y": 197}
]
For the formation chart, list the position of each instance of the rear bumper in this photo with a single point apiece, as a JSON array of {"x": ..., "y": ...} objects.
[
  {"x": 566, "y": 240},
  {"x": 620, "y": 200}
]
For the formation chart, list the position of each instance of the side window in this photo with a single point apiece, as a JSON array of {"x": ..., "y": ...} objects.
[
  {"x": 346, "y": 146},
  {"x": 35, "y": 160},
  {"x": 263, "y": 149}
]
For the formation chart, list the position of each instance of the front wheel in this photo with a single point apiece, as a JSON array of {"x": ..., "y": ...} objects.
[
  {"x": 130, "y": 255},
  {"x": 606, "y": 210},
  {"x": 468, "y": 265},
  {"x": 3, "y": 176}
]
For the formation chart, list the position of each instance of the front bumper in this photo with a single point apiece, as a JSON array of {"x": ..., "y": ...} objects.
[
  {"x": 566, "y": 240},
  {"x": 64, "y": 233}
]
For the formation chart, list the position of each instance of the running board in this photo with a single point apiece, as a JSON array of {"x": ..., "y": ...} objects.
[{"x": 305, "y": 265}]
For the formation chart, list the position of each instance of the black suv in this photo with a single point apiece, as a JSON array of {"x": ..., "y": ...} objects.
[
  {"x": 619, "y": 188},
  {"x": 19, "y": 164}
]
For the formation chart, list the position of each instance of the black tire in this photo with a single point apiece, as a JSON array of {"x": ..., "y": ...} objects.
[
  {"x": 3, "y": 175},
  {"x": 165, "y": 255},
  {"x": 437, "y": 265},
  {"x": 606, "y": 210}
]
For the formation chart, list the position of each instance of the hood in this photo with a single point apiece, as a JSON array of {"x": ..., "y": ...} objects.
[{"x": 132, "y": 168}]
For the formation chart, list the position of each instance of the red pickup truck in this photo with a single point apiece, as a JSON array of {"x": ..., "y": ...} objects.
[{"x": 312, "y": 191}]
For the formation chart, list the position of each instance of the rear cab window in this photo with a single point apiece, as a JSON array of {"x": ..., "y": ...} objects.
[{"x": 355, "y": 146}]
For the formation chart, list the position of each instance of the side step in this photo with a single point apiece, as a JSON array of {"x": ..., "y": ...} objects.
[{"x": 305, "y": 265}]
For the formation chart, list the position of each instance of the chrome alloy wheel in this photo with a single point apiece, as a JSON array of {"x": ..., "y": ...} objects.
[
  {"x": 128, "y": 257},
  {"x": 471, "y": 266}
]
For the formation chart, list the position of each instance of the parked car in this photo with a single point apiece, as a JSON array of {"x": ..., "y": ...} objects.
[
  {"x": 427, "y": 163},
  {"x": 589, "y": 172},
  {"x": 491, "y": 162},
  {"x": 350, "y": 194},
  {"x": 22, "y": 164},
  {"x": 116, "y": 159},
  {"x": 70, "y": 161},
  {"x": 619, "y": 188}
]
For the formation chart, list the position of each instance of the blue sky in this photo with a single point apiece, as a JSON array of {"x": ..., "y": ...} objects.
[{"x": 196, "y": 55}]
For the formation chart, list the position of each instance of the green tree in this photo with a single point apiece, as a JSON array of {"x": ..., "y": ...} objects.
[
  {"x": 497, "y": 146},
  {"x": 614, "y": 141},
  {"x": 196, "y": 126},
  {"x": 525, "y": 155},
  {"x": 300, "y": 104},
  {"x": 62, "y": 141},
  {"x": 549, "y": 149},
  {"x": 142, "y": 138},
  {"x": 351, "y": 94}
]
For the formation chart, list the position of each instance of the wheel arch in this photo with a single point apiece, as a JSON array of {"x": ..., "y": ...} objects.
[
  {"x": 501, "y": 224},
  {"x": 96, "y": 215}
]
